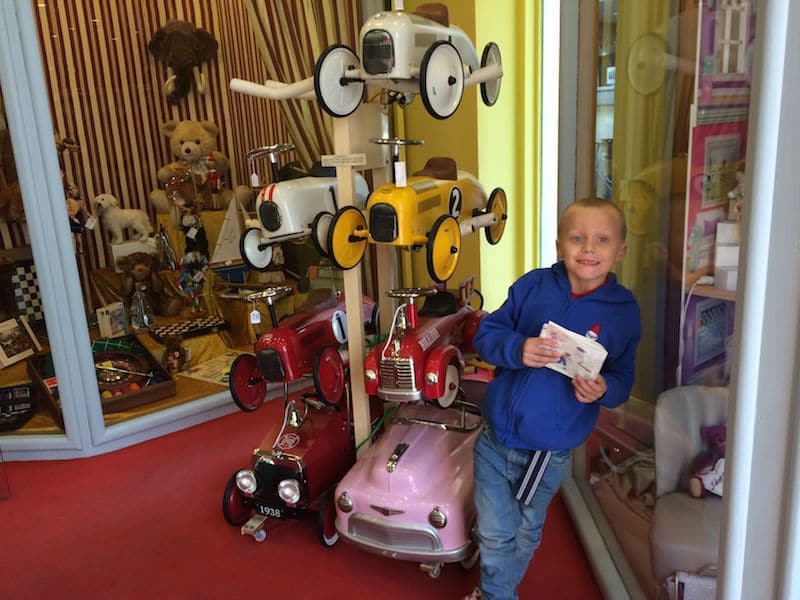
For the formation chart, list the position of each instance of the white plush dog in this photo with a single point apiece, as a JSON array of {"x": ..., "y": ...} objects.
[{"x": 116, "y": 219}]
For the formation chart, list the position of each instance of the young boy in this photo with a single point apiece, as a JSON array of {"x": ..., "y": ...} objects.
[{"x": 534, "y": 416}]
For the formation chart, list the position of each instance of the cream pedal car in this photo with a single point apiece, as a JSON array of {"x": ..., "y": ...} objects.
[
  {"x": 438, "y": 206},
  {"x": 292, "y": 209},
  {"x": 405, "y": 53}
]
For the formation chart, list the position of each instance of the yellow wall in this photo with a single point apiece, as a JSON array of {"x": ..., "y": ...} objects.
[
  {"x": 499, "y": 144},
  {"x": 455, "y": 137}
]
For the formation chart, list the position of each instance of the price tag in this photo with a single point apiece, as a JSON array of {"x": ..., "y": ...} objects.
[
  {"x": 254, "y": 180},
  {"x": 90, "y": 222},
  {"x": 400, "y": 174},
  {"x": 255, "y": 316},
  {"x": 199, "y": 276},
  {"x": 191, "y": 233}
]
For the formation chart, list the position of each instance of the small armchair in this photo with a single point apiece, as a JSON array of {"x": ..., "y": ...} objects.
[{"x": 684, "y": 534}]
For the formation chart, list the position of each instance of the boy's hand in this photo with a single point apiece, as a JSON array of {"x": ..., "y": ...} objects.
[
  {"x": 588, "y": 391},
  {"x": 537, "y": 352}
]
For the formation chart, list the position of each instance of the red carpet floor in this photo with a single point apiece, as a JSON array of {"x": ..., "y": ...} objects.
[{"x": 146, "y": 522}]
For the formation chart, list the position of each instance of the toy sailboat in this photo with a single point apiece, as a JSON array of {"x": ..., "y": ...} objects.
[{"x": 227, "y": 258}]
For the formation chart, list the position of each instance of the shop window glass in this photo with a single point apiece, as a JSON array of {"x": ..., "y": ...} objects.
[
  {"x": 165, "y": 164},
  {"x": 671, "y": 125},
  {"x": 29, "y": 402}
]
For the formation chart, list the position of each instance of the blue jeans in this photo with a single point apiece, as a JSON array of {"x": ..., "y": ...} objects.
[{"x": 509, "y": 531}]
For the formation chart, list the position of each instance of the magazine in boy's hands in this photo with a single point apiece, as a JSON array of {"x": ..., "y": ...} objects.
[{"x": 580, "y": 355}]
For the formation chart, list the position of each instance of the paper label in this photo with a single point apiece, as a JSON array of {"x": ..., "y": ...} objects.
[
  {"x": 90, "y": 222},
  {"x": 338, "y": 160},
  {"x": 191, "y": 233},
  {"x": 400, "y": 174},
  {"x": 255, "y": 317}
]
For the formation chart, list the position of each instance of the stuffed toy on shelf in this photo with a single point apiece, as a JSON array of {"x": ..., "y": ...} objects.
[
  {"x": 196, "y": 178},
  {"x": 708, "y": 469},
  {"x": 144, "y": 290}
]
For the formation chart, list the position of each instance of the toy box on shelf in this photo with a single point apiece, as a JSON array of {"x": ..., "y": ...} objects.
[
  {"x": 17, "y": 405},
  {"x": 128, "y": 375}
]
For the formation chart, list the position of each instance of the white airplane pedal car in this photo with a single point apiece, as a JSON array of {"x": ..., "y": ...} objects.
[{"x": 406, "y": 53}]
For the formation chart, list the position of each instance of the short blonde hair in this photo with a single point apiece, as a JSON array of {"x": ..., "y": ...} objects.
[{"x": 596, "y": 203}]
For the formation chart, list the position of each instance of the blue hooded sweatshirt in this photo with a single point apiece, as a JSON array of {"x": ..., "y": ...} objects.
[{"x": 536, "y": 408}]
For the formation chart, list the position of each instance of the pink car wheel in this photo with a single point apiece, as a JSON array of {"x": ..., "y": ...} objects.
[
  {"x": 329, "y": 375},
  {"x": 235, "y": 511},
  {"x": 247, "y": 386}
]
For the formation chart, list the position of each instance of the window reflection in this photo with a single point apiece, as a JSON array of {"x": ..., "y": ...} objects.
[{"x": 670, "y": 141}]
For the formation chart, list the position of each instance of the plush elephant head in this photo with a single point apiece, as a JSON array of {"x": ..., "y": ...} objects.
[{"x": 182, "y": 47}]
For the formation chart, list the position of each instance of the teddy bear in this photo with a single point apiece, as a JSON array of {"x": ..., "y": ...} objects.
[
  {"x": 140, "y": 270},
  {"x": 708, "y": 469},
  {"x": 194, "y": 181}
]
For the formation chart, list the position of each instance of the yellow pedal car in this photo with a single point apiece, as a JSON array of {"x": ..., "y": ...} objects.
[{"x": 438, "y": 206}]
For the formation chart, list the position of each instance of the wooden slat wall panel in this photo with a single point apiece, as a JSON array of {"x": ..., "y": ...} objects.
[{"x": 105, "y": 93}]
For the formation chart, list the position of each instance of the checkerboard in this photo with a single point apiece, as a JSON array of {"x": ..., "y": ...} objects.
[
  {"x": 187, "y": 329},
  {"x": 26, "y": 291}
]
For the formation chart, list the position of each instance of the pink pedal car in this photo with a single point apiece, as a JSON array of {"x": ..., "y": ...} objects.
[{"x": 409, "y": 496}]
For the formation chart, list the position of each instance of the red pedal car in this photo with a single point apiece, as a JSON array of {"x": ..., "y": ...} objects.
[
  {"x": 305, "y": 344},
  {"x": 423, "y": 357},
  {"x": 304, "y": 454}
]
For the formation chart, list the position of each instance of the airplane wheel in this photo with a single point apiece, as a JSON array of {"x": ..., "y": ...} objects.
[
  {"x": 443, "y": 249},
  {"x": 347, "y": 237},
  {"x": 328, "y": 369},
  {"x": 337, "y": 95},
  {"x": 320, "y": 227},
  {"x": 441, "y": 79},
  {"x": 247, "y": 386},
  {"x": 498, "y": 207},
  {"x": 234, "y": 509},
  {"x": 452, "y": 379},
  {"x": 326, "y": 520},
  {"x": 490, "y": 90},
  {"x": 256, "y": 255}
]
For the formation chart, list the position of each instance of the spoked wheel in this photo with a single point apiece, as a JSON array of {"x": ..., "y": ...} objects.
[
  {"x": 337, "y": 95},
  {"x": 497, "y": 206},
  {"x": 490, "y": 90},
  {"x": 255, "y": 253},
  {"x": 234, "y": 508},
  {"x": 443, "y": 248},
  {"x": 320, "y": 227},
  {"x": 452, "y": 380},
  {"x": 441, "y": 79},
  {"x": 247, "y": 386},
  {"x": 329, "y": 375},
  {"x": 326, "y": 520},
  {"x": 347, "y": 237}
]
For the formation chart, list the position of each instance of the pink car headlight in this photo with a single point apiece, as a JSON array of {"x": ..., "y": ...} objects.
[
  {"x": 437, "y": 518},
  {"x": 344, "y": 502}
]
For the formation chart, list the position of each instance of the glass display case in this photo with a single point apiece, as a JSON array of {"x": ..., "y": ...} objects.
[
  {"x": 670, "y": 143},
  {"x": 104, "y": 129}
]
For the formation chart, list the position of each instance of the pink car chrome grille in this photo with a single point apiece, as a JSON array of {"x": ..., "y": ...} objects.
[
  {"x": 397, "y": 373},
  {"x": 378, "y": 532}
]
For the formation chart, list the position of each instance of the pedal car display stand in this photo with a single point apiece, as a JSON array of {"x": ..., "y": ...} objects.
[{"x": 353, "y": 289}]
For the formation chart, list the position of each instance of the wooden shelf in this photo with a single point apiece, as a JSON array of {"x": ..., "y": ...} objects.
[{"x": 709, "y": 291}]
